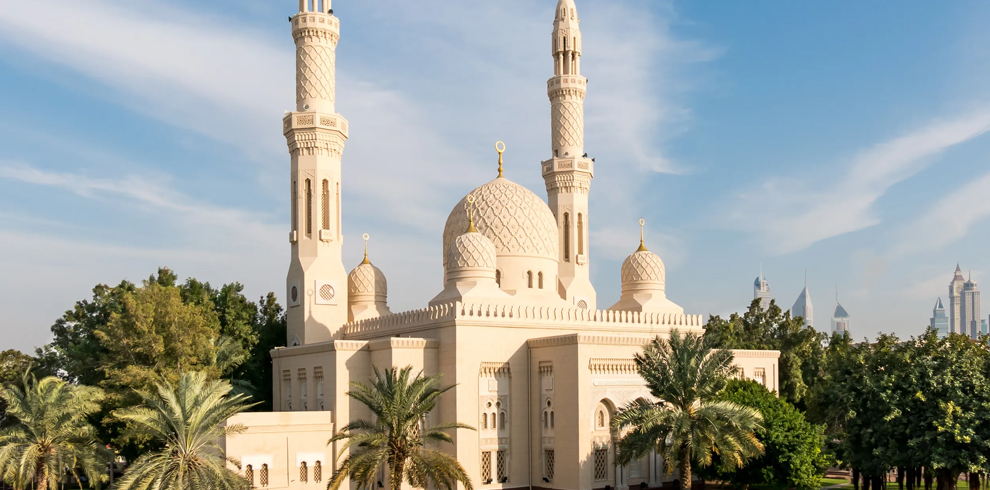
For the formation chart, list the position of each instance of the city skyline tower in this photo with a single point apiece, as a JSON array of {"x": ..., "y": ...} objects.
[
  {"x": 955, "y": 301},
  {"x": 803, "y": 307},
  {"x": 569, "y": 171},
  {"x": 316, "y": 283},
  {"x": 840, "y": 317},
  {"x": 969, "y": 308},
  {"x": 761, "y": 290},
  {"x": 940, "y": 322}
]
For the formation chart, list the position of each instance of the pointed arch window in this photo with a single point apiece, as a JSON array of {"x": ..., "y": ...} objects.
[
  {"x": 580, "y": 234},
  {"x": 529, "y": 279},
  {"x": 325, "y": 206},
  {"x": 249, "y": 474},
  {"x": 295, "y": 207},
  {"x": 501, "y": 420},
  {"x": 540, "y": 279},
  {"x": 303, "y": 472},
  {"x": 338, "y": 210},
  {"x": 264, "y": 475},
  {"x": 309, "y": 207},
  {"x": 567, "y": 237},
  {"x": 498, "y": 278},
  {"x": 317, "y": 471},
  {"x": 484, "y": 421}
]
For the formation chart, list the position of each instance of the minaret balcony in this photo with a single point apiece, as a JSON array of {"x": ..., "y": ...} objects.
[
  {"x": 314, "y": 120},
  {"x": 569, "y": 165},
  {"x": 315, "y": 19}
]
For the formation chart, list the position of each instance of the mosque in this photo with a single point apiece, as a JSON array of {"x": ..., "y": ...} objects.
[{"x": 539, "y": 366}]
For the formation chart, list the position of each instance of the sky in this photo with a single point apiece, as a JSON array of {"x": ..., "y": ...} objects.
[{"x": 843, "y": 142}]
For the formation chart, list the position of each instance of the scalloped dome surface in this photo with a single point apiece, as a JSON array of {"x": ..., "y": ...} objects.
[
  {"x": 643, "y": 266},
  {"x": 471, "y": 250},
  {"x": 516, "y": 221},
  {"x": 366, "y": 279}
]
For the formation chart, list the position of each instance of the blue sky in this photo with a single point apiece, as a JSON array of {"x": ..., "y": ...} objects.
[{"x": 848, "y": 140}]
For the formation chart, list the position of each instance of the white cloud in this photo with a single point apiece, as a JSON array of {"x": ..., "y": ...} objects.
[
  {"x": 793, "y": 214},
  {"x": 949, "y": 219}
]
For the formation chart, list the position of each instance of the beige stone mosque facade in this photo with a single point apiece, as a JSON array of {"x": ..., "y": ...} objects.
[{"x": 539, "y": 365}]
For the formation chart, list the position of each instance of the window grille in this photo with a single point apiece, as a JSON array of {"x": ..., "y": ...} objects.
[
  {"x": 484, "y": 421},
  {"x": 309, "y": 207},
  {"x": 760, "y": 376},
  {"x": 249, "y": 474},
  {"x": 325, "y": 208},
  {"x": 317, "y": 472},
  {"x": 303, "y": 472},
  {"x": 264, "y": 475},
  {"x": 501, "y": 466},
  {"x": 486, "y": 466},
  {"x": 567, "y": 237},
  {"x": 548, "y": 463},
  {"x": 601, "y": 464}
]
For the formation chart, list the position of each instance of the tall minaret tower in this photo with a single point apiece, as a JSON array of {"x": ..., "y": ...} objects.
[
  {"x": 569, "y": 172},
  {"x": 317, "y": 282}
]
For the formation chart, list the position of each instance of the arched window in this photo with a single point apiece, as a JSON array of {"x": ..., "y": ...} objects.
[
  {"x": 303, "y": 472},
  {"x": 325, "y": 206},
  {"x": 338, "y": 210},
  {"x": 546, "y": 420},
  {"x": 501, "y": 420},
  {"x": 309, "y": 207},
  {"x": 249, "y": 474},
  {"x": 601, "y": 418},
  {"x": 498, "y": 278},
  {"x": 264, "y": 475},
  {"x": 551, "y": 419},
  {"x": 567, "y": 237},
  {"x": 540, "y": 277},
  {"x": 529, "y": 279},
  {"x": 295, "y": 207},
  {"x": 317, "y": 472},
  {"x": 494, "y": 425},
  {"x": 580, "y": 233},
  {"x": 484, "y": 421}
]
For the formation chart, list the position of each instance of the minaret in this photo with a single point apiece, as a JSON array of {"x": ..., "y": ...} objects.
[
  {"x": 317, "y": 281},
  {"x": 569, "y": 172}
]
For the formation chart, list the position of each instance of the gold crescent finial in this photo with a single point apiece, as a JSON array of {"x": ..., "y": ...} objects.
[
  {"x": 365, "y": 261},
  {"x": 471, "y": 228},
  {"x": 642, "y": 245},
  {"x": 499, "y": 150}
]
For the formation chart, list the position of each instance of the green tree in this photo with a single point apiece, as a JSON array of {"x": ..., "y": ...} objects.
[
  {"x": 398, "y": 437},
  {"x": 792, "y": 446},
  {"x": 801, "y": 348},
  {"x": 689, "y": 423},
  {"x": 13, "y": 365},
  {"x": 51, "y": 433},
  {"x": 186, "y": 420}
]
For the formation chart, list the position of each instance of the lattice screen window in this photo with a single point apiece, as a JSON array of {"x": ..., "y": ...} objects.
[
  {"x": 249, "y": 474},
  {"x": 264, "y": 475},
  {"x": 303, "y": 389},
  {"x": 486, "y": 466},
  {"x": 317, "y": 472},
  {"x": 501, "y": 466},
  {"x": 548, "y": 463},
  {"x": 760, "y": 376},
  {"x": 318, "y": 376},
  {"x": 601, "y": 464},
  {"x": 303, "y": 472}
]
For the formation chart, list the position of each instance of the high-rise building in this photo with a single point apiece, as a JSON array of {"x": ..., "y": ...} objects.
[
  {"x": 940, "y": 322},
  {"x": 761, "y": 290},
  {"x": 955, "y": 302},
  {"x": 840, "y": 318},
  {"x": 803, "y": 307},
  {"x": 969, "y": 309},
  {"x": 983, "y": 327}
]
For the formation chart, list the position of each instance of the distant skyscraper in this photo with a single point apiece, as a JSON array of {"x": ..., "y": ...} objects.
[
  {"x": 761, "y": 290},
  {"x": 969, "y": 307},
  {"x": 955, "y": 302},
  {"x": 840, "y": 318},
  {"x": 940, "y": 322},
  {"x": 803, "y": 307},
  {"x": 983, "y": 327}
]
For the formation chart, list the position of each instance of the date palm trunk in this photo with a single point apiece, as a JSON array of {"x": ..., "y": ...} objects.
[{"x": 685, "y": 468}]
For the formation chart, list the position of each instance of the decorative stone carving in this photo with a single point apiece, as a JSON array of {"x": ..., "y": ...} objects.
[
  {"x": 367, "y": 279},
  {"x": 471, "y": 250},
  {"x": 643, "y": 266}
]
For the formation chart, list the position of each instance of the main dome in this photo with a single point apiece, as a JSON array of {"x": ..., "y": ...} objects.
[{"x": 517, "y": 221}]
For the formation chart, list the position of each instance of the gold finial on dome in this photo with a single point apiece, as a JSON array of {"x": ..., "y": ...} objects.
[
  {"x": 499, "y": 150},
  {"x": 470, "y": 200},
  {"x": 642, "y": 245},
  {"x": 365, "y": 261}
]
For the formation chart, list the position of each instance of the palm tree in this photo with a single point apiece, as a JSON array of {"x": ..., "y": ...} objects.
[
  {"x": 688, "y": 423},
  {"x": 187, "y": 420},
  {"x": 51, "y": 434},
  {"x": 398, "y": 436}
]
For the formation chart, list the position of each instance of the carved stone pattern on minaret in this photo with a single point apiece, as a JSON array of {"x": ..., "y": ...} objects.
[
  {"x": 568, "y": 124},
  {"x": 319, "y": 143},
  {"x": 315, "y": 72},
  {"x": 569, "y": 182}
]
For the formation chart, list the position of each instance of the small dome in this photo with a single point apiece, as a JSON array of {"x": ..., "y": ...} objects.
[
  {"x": 643, "y": 266},
  {"x": 517, "y": 222},
  {"x": 471, "y": 250},
  {"x": 366, "y": 279}
]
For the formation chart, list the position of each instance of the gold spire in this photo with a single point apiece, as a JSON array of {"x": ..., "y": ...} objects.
[
  {"x": 365, "y": 261},
  {"x": 642, "y": 246},
  {"x": 499, "y": 150},
  {"x": 471, "y": 228}
]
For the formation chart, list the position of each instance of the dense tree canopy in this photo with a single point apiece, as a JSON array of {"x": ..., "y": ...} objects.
[
  {"x": 801, "y": 348},
  {"x": 792, "y": 446}
]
